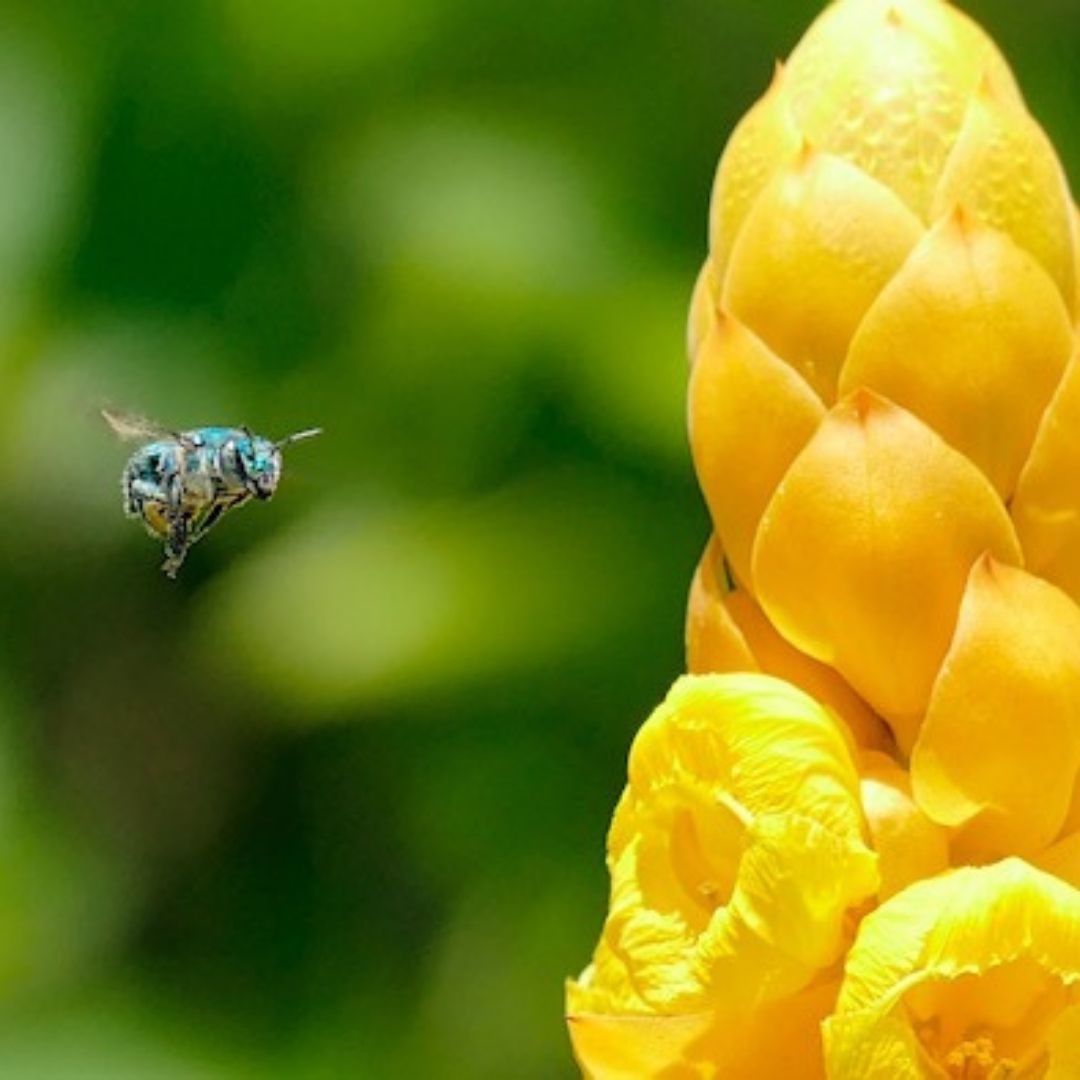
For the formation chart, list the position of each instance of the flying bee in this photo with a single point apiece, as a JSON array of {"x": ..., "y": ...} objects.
[{"x": 180, "y": 483}]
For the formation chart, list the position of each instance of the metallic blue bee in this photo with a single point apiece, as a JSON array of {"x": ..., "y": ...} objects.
[{"x": 182, "y": 482}]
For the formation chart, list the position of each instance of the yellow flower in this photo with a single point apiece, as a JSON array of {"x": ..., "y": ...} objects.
[
  {"x": 973, "y": 974},
  {"x": 736, "y": 856}
]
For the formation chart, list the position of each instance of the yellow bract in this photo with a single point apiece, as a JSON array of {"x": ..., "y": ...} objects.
[
  {"x": 863, "y": 553},
  {"x": 1046, "y": 508},
  {"x": 747, "y": 406},
  {"x": 886, "y": 84},
  {"x": 823, "y": 237},
  {"x": 1004, "y": 168},
  {"x": 972, "y": 336},
  {"x": 1000, "y": 747},
  {"x": 970, "y": 972}
]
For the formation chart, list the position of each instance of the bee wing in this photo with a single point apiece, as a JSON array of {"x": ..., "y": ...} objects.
[{"x": 130, "y": 426}]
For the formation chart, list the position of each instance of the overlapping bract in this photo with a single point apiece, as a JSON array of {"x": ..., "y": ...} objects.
[
  {"x": 884, "y": 415},
  {"x": 885, "y": 397}
]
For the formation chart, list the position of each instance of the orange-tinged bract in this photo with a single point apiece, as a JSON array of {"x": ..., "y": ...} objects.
[
  {"x": 971, "y": 336},
  {"x": 884, "y": 418},
  {"x": 862, "y": 554},
  {"x": 1046, "y": 508},
  {"x": 805, "y": 268},
  {"x": 745, "y": 405},
  {"x": 1011, "y": 680}
]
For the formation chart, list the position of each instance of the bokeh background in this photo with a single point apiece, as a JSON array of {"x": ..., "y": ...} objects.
[{"x": 333, "y": 804}]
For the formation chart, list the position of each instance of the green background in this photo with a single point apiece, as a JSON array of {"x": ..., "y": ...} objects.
[{"x": 333, "y": 804}]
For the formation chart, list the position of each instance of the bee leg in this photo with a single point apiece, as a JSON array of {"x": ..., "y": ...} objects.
[
  {"x": 176, "y": 544},
  {"x": 202, "y": 527},
  {"x": 178, "y": 540}
]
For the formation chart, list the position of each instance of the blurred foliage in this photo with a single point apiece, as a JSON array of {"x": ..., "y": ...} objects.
[{"x": 334, "y": 803}]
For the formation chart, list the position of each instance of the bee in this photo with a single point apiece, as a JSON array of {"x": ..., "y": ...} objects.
[{"x": 181, "y": 483}]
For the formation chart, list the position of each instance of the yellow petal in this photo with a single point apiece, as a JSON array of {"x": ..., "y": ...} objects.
[
  {"x": 863, "y": 554},
  {"x": 779, "y": 1039},
  {"x": 762, "y": 141},
  {"x": 885, "y": 83},
  {"x": 825, "y": 238},
  {"x": 1005, "y": 170},
  {"x": 749, "y": 415},
  {"x": 631, "y": 1047},
  {"x": 999, "y": 749},
  {"x": 735, "y": 853},
  {"x": 909, "y": 845},
  {"x": 976, "y": 963},
  {"x": 1046, "y": 507},
  {"x": 972, "y": 336}
]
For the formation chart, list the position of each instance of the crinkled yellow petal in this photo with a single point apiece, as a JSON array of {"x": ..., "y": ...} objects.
[
  {"x": 735, "y": 853},
  {"x": 909, "y": 845},
  {"x": 973, "y": 337},
  {"x": 816, "y": 248},
  {"x": 1004, "y": 168},
  {"x": 885, "y": 84},
  {"x": 702, "y": 310},
  {"x": 999, "y": 750},
  {"x": 779, "y": 1039},
  {"x": 1046, "y": 507},
  {"x": 749, "y": 415},
  {"x": 863, "y": 553},
  {"x": 976, "y": 963},
  {"x": 763, "y": 140}
]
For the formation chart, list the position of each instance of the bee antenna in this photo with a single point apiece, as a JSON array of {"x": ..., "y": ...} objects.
[{"x": 298, "y": 436}]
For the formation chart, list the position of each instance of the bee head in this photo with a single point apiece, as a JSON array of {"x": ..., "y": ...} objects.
[{"x": 259, "y": 461}]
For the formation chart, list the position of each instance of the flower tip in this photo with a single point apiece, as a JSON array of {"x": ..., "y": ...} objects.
[
  {"x": 806, "y": 155},
  {"x": 987, "y": 566},
  {"x": 726, "y": 326},
  {"x": 862, "y": 402},
  {"x": 991, "y": 88},
  {"x": 894, "y": 18},
  {"x": 962, "y": 221}
]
